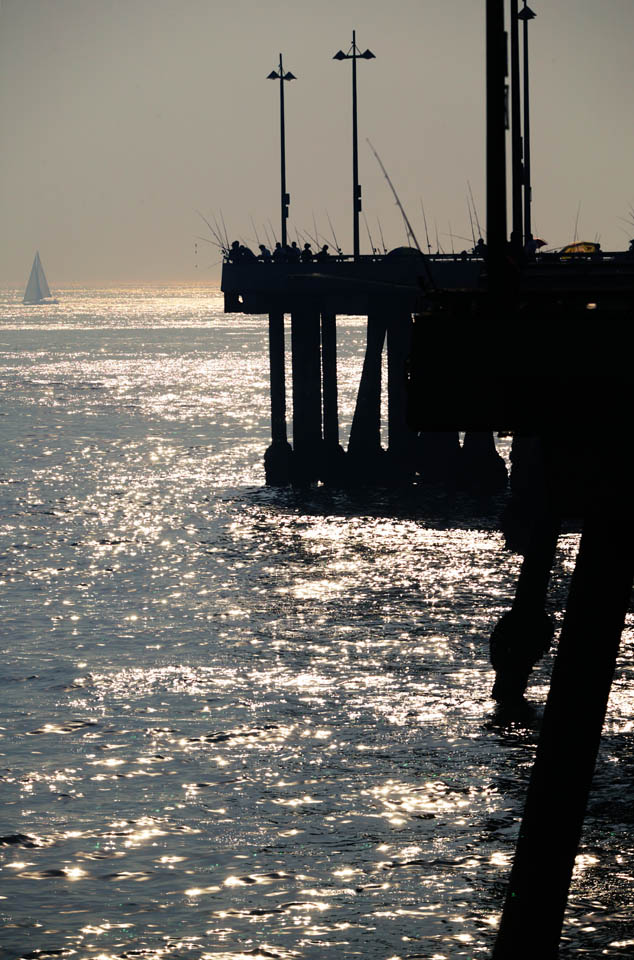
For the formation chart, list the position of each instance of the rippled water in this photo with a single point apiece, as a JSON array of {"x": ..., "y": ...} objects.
[{"x": 239, "y": 722}]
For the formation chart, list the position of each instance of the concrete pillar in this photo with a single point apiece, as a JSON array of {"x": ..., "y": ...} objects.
[
  {"x": 401, "y": 438},
  {"x": 483, "y": 470},
  {"x": 333, "y": 454},
  {"x": 365, "y": 454},
  {"x": 306, "y": 359},
  {"x": 277, "y": 459}
]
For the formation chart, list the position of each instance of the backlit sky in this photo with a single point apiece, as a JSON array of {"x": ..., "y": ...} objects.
[{"x": 121, "y": 118}]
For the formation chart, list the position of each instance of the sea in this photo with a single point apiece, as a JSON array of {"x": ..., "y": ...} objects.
[{"x": 250, "y": 722}]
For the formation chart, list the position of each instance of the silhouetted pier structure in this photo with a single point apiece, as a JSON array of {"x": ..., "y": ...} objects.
[
  {"x": 535, "y": 348},
  {"x": 401, "y": 293}
]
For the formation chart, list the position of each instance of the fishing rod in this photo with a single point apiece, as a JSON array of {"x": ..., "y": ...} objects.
[
  {"x": 273, "y": 231},
  {"x": 313, "y": 239},
  {"x": 396, "y": 197},
  {"x": 381, "y": 233},
  {"x": 439, "y": 249},
  {"x": 408, "y": 225},
  {"x": 316, "y": 231},
  {"x": 453, "y": 252},
  {"x": 212, "y": 242},
  {"x": 456, "y": 236},
  {"x": 225, "y": 227},
  {"x": 225, "y": 241},
  {"x": 577, "y": 222},
  {"x": 255, "y": 230},
  {"x": 334, "y": 235},
  {"x": 475, "y": 210},
  {"x": 268, "y": 238},
  {"x": 211, "y": 229},
  {"x": 471, "y": 221},
  {"x": 365, "y": 220},
  {"x": 214, "y": 233},
  {"x": 426, "y": 230}
]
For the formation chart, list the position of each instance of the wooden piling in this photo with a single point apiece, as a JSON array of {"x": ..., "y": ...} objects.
[
  {"x": 401, "y": 438},
  {"x": 524, "y": 634},
  {"x": 306, "y": 363},
  {"x": 575, "y": 710},
  {"x": 277, "y": 459},
  {"x": 364, "y": 447},
  {"x": 333, "y": 467}
]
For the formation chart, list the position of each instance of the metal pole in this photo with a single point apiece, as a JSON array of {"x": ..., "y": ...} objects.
[
  {"x": 528, "y": 235},
  {"x": 496, "y": 143},
  {"x": 516, "y": 132},
  {"x": 354, "y": 55},
  {"x": 282, "y": 156},
  {"x": 355, "y": 153}
]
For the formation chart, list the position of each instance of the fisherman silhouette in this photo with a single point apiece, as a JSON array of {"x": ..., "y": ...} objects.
[
  {"x": 245, "y": 255},
  {"x": 324, "y": 255},
  {"x": 265, "y": 254},
  {"x": 278, "y": 254},
  {"x": 293, "y": 252},
  {"x": 480, "y": 248},
  {"x": 307, "y": 254}
]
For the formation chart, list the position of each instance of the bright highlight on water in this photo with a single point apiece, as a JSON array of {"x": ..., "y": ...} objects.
[{"x": 239, "y": 722}]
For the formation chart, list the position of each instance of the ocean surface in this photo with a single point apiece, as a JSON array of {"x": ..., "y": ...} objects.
[{"x": 239, "y": 722}]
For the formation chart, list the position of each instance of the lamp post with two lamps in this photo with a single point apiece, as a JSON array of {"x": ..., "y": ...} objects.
[
  {"x": 355, "y": 54},
  {"x": 525, "y": 15},
  {"x": 285, "y": 197}
]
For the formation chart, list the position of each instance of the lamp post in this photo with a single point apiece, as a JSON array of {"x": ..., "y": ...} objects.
[
  {"x": 496, "y": 144},
  {"x": 525, "y": 15},
  {"x": 354, "y": 54},
  {"x": 285, "y": 197},
  {"x": 516, "y": 134}
]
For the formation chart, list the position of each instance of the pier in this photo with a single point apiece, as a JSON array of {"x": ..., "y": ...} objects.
[
  {"x": 513, "y": 342},
  {"x": 432, "y": 307}
]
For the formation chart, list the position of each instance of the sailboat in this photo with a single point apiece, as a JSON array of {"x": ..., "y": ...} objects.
[{"x": 37, "y": 289}]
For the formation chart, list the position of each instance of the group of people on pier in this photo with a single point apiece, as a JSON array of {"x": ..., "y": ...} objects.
[
  {"x": 238, "y": 253},
  {"x": 289, "y": 253}
]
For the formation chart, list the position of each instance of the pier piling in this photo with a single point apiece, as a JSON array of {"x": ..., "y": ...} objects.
[
  {"x": 365, "y": 452},
  {"x": 277, "y": 459},
  {"x": 333, "y": 467},
  {"x": 571, "y": 730},
  {"x": 401, "y": 438},
  {"x": 306, "y": 363}
]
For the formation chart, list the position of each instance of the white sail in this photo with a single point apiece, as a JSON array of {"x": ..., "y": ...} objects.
[
  {"x": 44, "y": 288},
  {"x": 37, "y": 288}
]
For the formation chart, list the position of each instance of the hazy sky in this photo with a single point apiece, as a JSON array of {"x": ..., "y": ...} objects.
[{"x": 120, "y": 118}]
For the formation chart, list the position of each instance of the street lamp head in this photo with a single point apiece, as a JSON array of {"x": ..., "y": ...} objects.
[
  {"x": 276, "y": 75},
  {"x": 526, "y": 14},
  {"x": 368, "y": 55},
  {"x": 340, "y": 55}
]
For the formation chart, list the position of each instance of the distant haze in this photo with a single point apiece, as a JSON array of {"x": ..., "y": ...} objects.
[{"x": 121, "y": 118}]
